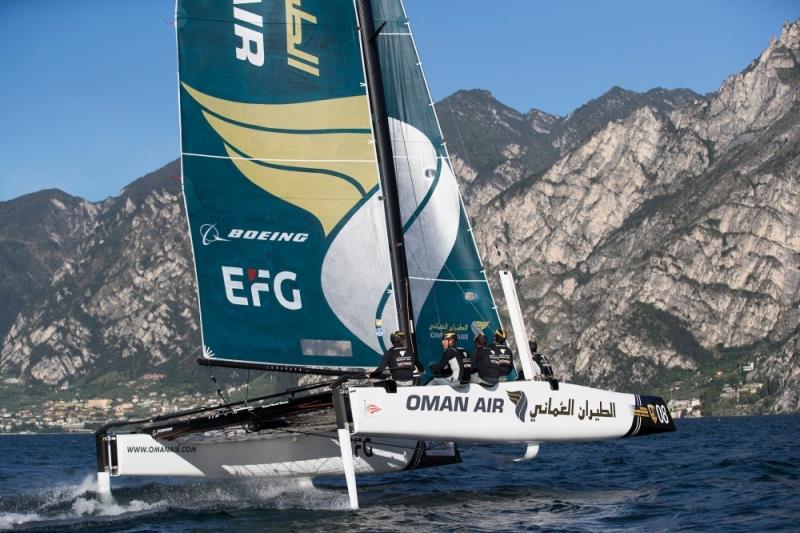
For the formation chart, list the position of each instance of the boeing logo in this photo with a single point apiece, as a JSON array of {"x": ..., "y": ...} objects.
[
  {"x": 255, "y": 235},
  {"x": 210, "y": 234}
]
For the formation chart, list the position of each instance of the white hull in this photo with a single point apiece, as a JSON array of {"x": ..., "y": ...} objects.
[
  {"x": 139, "y": 454},
  {"x": 520, "y": 411}
]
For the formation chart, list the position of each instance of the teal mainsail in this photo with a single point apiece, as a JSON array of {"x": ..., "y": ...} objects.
[
  {"x": 281, "y": 184},
  {"x": 283, "y": 192}
]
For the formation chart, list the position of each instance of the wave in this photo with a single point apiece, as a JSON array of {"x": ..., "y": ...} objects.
[{"x": 67, "y": 505}]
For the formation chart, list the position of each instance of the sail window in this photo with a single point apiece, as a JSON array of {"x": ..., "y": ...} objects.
[{"x": 326, "y": 348}]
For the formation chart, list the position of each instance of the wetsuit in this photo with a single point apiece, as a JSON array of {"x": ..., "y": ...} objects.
[
  {"x": 503, "y": 359},
  {"x": 486, "y": 365},
  {"x": 399, "y": 361},
  {"x": 466, "y": 365},
  {"x": 544, "y": 365},
  {"x": 452, "y": 359}
]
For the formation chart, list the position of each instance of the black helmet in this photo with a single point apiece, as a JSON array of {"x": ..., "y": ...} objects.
[
  {"x": 500, "y": 335},
  {"x": 480, "y": 339},
  {"x": 447, "y": 335},
  {"x": 398, "y": 338}
]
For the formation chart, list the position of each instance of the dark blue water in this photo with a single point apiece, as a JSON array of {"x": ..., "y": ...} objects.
[{"x": 727, "y": 474}]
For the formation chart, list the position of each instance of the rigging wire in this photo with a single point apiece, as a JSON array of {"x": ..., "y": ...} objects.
[
  {"x": 403, "y": 97},
  {"x": 465, "y": 153},
  {"x": 437, "y": 70},
  {"x": 461, "y": 288},
  {"x": 183, "y": 358}
]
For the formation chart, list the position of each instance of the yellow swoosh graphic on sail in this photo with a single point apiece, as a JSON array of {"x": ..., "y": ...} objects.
[{"x": 324, "y": 173}]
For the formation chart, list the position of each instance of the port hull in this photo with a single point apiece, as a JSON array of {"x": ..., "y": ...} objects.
[{"x": 140, "y": 454}]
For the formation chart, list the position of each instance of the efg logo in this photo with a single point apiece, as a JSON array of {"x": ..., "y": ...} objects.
[{"x": 258, "y": 280}]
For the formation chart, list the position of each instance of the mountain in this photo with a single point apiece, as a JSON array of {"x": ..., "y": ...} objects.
[
  {"x": 495, "y": 147},
  {"x": 116, "y": 291},
  {"x": 662, "y": 250},
  {"x": 37, "y": 233},
  {"x": 654, "y": 237}
]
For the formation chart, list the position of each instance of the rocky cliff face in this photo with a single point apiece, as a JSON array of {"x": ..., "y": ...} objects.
[
  {"x": 654, "y": 236},
  {"x": 119, "y": 295},
  {"x": 38, "y": 232},
  {"x": 664, "y": 246},
  {"x": 499, "y": 150}
]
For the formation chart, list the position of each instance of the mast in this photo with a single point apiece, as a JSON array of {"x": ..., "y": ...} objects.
[{"x": 391, "y": 204}]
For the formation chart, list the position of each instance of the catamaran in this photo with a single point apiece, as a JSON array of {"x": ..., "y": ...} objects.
[{"x": 324, "y": 214}]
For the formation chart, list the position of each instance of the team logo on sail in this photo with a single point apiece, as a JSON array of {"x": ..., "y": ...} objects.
[
  {"x": 294, "y": 37},
  {"x": 317, "y": 156}
]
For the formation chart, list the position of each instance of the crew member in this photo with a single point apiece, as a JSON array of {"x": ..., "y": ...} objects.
[
  {"x": 486, "y": 362},
  {"x": 399, "y": 360},
  {"x": 545, "y": 369},
  {"x": 504, "y": 357},
  {"x": 467, "y": 365},
  {"x": 451, "y": 368}
]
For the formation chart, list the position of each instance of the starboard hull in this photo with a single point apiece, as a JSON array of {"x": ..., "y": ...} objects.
[{"x": 521, "y": 411}]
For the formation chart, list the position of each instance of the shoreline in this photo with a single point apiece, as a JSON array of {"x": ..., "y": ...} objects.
[{"x": 91, "y": 432}]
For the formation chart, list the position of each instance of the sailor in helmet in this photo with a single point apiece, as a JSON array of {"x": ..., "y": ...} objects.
[
  {"x": 454, "y": 366},
  {"x": 399, "y": 360},
  {"x": 503, "y": 358}
]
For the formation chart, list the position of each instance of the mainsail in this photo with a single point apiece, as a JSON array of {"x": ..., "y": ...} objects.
[
  {"x": 281, "y": 184},
  {"x": 283, "y": 191}
]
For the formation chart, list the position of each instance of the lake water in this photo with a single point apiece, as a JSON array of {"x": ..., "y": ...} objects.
[{"x": 727, "y": 474}]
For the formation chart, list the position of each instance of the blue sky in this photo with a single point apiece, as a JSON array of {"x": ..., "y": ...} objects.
[{"x": 90, "y": 95}]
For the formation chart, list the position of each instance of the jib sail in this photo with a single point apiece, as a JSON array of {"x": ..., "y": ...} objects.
[
  {"x": 281, "y": 184},
  {"x": 449, "y": 290}
]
